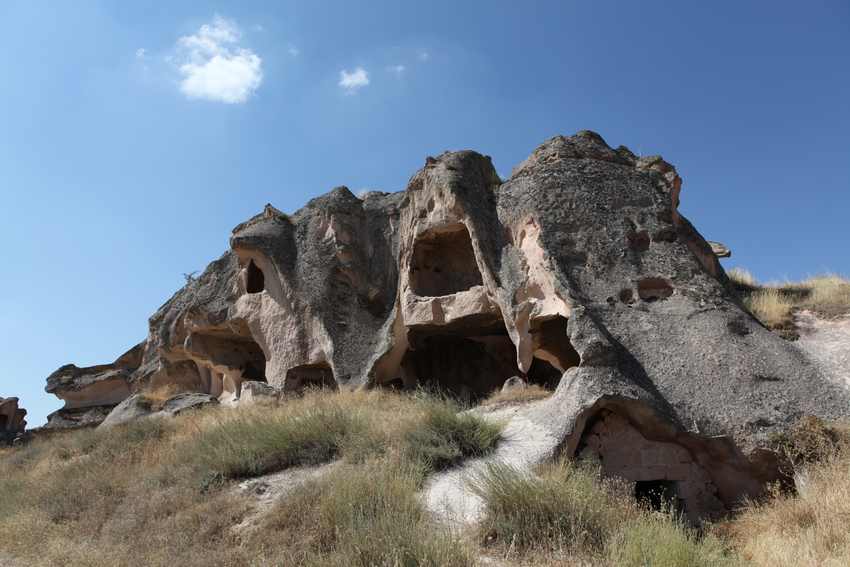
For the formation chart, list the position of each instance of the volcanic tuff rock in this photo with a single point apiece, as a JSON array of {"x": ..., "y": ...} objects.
[
  {"x": 12, "y": 422},
  {"x": 577, "y": 273}
]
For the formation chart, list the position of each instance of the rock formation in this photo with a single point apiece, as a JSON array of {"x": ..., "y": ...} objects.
[
  {"x": 12, "y": 422},
  {"x": 578, "y": 273}
]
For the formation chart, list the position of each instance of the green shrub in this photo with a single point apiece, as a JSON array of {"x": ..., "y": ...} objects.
[
  {"x": 446, "y": 437},
  {"x": 659, "y": 540},
  {"x": 256, "y": 445},
  {"x": 565, "y": 507},
  {"x": 366, "y": 515}
]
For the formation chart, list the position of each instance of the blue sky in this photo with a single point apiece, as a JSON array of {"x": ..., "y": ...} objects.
[{"x": 134, "y": 136}]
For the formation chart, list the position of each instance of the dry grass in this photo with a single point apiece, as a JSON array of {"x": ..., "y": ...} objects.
[
  {"x": 567, "y": 515},
  {"x": 771, "y": 307},
  {"x": 363, "y": 516},
  {"x": 530, "y": 393},
  {"x": 136, "y": 495},
  {"x": 742, "y": 278},
  {"x": 157, "y": 492},
  {"x": 798, "y": 531},
  {"x": 774, "y": 304}
]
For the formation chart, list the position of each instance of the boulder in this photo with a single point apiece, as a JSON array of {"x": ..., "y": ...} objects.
[
  {"x": 254, "y": 392},
  {"x": 138, "y": 406},
  {"x": 514, "y": 383},
  {"x": 12, "y": 422},
  {"x": 578, "y": 272},
  {"x": 135, "y": 407},
  {"x": 719, "y": 249},
  {"x": 187, "y": 401}
]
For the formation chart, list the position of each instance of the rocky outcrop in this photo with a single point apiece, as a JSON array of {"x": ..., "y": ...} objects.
[
  {"x": 139, "y": 406},
  {"x": 90, "y": 393},
  {"x": 720, "y": 250},
  {"x": 12, "y": 422},
  {"x": 577, "y": 273}
]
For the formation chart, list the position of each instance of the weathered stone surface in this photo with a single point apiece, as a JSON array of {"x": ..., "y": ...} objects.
[
  {"x": 514, "y": 383},
  {"x": 90, "y": 392},
  {"x": 12, "y": 422},
  {"x": 720, "y": 250},
  {"x": 76, "y": 417},
  {"x": 187, "y": 401},
  {"x": 254, "y": 392},
  {"x": 580, "y": 265},
  {"x": 138, "y": 406}
]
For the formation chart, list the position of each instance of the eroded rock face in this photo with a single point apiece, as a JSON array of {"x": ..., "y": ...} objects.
[
  {"x": 89, "y": 393},
  {"x": 12, "y": 422},
  {"x": 577, "y": 273}
]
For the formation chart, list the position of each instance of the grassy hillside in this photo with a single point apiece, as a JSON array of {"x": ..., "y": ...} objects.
[
  {"x": 774, "y": 304},
  {"x": 167, "y": 492}
]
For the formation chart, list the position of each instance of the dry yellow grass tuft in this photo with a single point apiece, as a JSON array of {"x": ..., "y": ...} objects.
[
  {"x": 803, "y": 530},
  {"x": 774, "y": 304},
  {"x": 770, "y": 307},
  {"x": 517, "y": 396},
  {"x": 829, "y": 295},
  {"x": 742, "y": 277}
]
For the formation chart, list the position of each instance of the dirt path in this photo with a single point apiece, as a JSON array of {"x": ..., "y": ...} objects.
[
  {"x": 827, "y": 342},
  {"x": 447, "y": 495}
]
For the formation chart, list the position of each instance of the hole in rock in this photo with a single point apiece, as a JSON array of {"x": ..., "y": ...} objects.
[
  {"x": 664, "y": 473},
  {"x": 318, "y": 375},
  {"x": 4, "y": 422},
  {"x": 552, "y": 344},
  {"x": 255, "y": 281},
  {"x": 638, "y": 241},
  {"x": 652, "y": 289},
  {"x": 467, "y": 366},
  {"x": 543, "y": 374},
  {"x": 443, "y": 262},
  {"x": 660, "y": 495},
  {"x": 227, "y": 358}
]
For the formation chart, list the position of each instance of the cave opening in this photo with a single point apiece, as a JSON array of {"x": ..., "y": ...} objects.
[
  {"x": 225, "y": 357},
  {"x": 4, "y": 422},
  {"x": 552, "y": 346},
  {"x": 319, "y": 375},
  {"x": 443, "y": 262},
  {"x": 543, "y": 374},
  {"x": 255, "y": 280},
  {"x": 665, "y": 474},
  {"x": 659, "y": 495}
]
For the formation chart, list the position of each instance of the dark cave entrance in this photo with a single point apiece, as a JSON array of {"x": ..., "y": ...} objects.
[
  {"x": 659, "y": 495},
  {"x": 255, "y": 371},
  {"x": 4, "y": 422},
  {"x": 319, "y": 375},
  {"x": 255, "y": 280},
  {"x": 443, "y": 262},
  {"x": 469, "y": 361},
  {"x": 552, "y": 345},
  {"x": 225, "y": 357}
]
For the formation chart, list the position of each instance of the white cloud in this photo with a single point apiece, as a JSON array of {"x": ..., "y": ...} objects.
[
  {"x": 354, "y": 80},
  {"x": 213, "y": 65},
  {"x": 294, "y": 51},
  {"x": 140, "y": 53},
  {"x": 424, "y": 55},
  {"x": 398, "y": 70}
]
